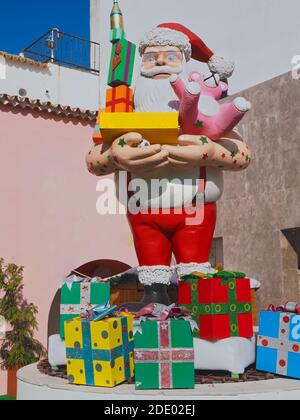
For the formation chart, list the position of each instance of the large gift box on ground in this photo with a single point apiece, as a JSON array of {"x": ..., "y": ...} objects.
[
  {"x": 100, "y": 353},
  {"x": 79, "y": 295},
  {"x": 164, "y": 355},
  {"x": 279, "y": 343},
  {"x": 220, "y": 304}
]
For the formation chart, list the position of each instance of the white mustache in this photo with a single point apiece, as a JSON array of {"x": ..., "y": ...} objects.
[{"x": 161, "y": 69}]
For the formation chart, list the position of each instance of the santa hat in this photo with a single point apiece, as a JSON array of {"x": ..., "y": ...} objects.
[{"x": 190, "y": 44}]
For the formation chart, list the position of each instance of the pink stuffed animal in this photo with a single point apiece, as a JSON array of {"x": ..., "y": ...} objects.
[{"x": 200, "y": 113}]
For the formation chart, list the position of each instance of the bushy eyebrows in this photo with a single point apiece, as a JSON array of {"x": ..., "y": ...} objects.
[{"x": 156, "y": 50}]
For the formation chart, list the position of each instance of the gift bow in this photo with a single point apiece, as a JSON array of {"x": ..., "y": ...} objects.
[
  {"x": 229, "y": 275},
  {"x": 98, "y": 313},
  {"x": 162, "y": 312},
  {"x": 69, "y": 281},
  {"x": 291, "y": 307},
  {"x": 220, "y": 274}
]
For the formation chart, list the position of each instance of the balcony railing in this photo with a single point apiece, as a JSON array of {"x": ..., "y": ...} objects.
[{"x": 66, "y": 50}]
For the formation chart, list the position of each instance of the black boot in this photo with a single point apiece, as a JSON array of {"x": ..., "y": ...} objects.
[{"x": 157, "y": 293}]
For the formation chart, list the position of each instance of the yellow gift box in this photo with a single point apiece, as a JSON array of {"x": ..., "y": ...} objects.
[
  {"x": 100, "y": 353},
  {"x": 156, "y": 127}
]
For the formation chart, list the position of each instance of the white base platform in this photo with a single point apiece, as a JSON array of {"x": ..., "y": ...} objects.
[
  {"x": 32, "y": 385},
  {"x": 237, "y": 354}
]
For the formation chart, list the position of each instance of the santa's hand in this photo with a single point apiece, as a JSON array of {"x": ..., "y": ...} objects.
[
  {"x": 127, "y": 154},
  {"x": 191, "y": 152}
]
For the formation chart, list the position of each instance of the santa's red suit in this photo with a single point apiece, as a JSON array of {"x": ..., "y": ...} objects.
[{"x": 159, "y": 236}]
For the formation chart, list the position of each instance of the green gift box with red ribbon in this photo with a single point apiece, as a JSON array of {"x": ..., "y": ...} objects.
[
  {"x": 164, "y": 355},
  {"x": 220, "y": 304}
]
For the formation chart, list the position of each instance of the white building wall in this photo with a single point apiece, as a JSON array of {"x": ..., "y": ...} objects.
[
  {"x": 2, "y": 68},
  {"x": 57, "y": 84},
  {"x": 262, "y": 36}
]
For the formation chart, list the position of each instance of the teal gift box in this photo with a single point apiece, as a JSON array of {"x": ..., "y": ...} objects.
[{"x": 79, "y": 295}]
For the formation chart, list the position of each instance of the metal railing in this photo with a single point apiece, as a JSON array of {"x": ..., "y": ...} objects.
[{"x": 66, "y": 50}]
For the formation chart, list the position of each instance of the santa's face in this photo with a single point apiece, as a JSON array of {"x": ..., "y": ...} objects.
[
  {"x": 160, "y": 62},
  {"x": 153, "y": 92}
]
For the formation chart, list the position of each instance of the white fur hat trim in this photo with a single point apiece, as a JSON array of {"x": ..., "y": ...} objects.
[{"x": 164, "y": 37}]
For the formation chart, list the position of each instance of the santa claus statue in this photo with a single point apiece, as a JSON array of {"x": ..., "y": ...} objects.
[{"x": 163, "y": 232}]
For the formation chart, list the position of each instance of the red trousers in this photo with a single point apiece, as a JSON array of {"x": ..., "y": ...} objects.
[{"x": 158, "y": 236}]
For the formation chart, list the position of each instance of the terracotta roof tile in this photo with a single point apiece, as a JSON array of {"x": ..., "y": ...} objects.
[
  {"x": 35, "y": 104},
  {"x": 22, "y": 59}
]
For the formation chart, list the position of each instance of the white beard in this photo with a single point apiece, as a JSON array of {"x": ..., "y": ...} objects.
[{"x": 154, "y": 95}]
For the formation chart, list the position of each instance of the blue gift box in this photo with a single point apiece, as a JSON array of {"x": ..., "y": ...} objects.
[{"x": 278, "y": 348}]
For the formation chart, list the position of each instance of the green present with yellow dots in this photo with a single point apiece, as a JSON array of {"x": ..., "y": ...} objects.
[
  {"x": 220, "y": 304},
  {"x": 100, "y": 353}
]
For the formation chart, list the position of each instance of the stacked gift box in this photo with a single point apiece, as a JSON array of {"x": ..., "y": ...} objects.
[
  {"x": 100, "y": 352},
  {"x": 98, "y": 338},
  {"x": 119, "y": 95},
  {"x": 119, "y": 99},
  {"x": 118, "y": 118},
  {"x": 101, "y": 349},
  {"x": 78, "y": 295}
]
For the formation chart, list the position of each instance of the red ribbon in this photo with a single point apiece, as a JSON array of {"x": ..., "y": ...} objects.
[
  {"x": 162, "y": 312},
  {"x": 127, "y": 100},
  {"x": 165, "y": 355},
  {"x": 290, "y": 307},
  {"x": 88, "y": 278}
]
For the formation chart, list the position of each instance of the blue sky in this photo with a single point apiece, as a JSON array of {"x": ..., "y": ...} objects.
[{"x": 22, "y": 21}]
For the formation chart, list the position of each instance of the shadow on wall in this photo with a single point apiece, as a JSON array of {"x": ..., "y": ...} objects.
[
  {"x": 293, "y": 237},
  {"x": 290, "y": 251},
  {"x": 31, "y": 69}
]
